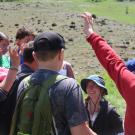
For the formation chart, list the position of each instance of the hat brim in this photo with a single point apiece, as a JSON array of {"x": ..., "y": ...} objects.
[
  {"x": 83, "y": 84},
  {"x": 85, "y": 81}
]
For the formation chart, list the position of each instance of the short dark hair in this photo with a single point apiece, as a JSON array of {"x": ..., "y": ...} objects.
[
  {"x": 46, "y": 55},
  {"x": 27, "y": 55},
  {"x": 23, "y": 32}
]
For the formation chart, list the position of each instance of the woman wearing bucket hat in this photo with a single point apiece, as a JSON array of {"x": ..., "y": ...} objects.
[{"x": 103, "y": 118}]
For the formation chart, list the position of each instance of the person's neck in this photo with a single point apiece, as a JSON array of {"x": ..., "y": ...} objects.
[
  {"x": 93, "y": 107},
  {"x": 32, "y": 65},
  {"x": 49, "y": 65}
]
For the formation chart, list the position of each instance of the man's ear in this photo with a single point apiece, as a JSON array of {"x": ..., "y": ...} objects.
[
  {"x": 62, "y": 54},
  {"x": 35, "y": 57}
]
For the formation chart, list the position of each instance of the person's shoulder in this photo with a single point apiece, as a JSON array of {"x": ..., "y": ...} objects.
[
  {"x": 23, "y": 85},
  {"x": 112, "y": 111},
  {"x": 66, "y": 63},
  {"x": 107, "y": 106},
  {"x": 68, "y": 84},
  {"x": 130, "y": 62},
  {"x": 69, "y": 81}
]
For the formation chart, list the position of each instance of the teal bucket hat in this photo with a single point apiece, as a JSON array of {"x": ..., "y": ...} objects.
[{"x": 95, "y": 78}]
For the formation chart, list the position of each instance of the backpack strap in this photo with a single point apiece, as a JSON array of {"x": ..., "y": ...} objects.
[
  {"x": 41, "y": 121},
  {"x": 45, "y": 114}
]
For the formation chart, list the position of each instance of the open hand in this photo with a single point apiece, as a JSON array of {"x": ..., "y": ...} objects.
[
  {"x": 14, "y": 56},
  {"x": 88, "y": 23}
]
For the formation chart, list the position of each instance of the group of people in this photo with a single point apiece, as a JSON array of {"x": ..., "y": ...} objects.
[{"x": 40, "y": 96}]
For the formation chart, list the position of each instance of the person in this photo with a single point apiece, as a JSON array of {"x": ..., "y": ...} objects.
[
  {"x": 23, "y": 36},
  {"x": 8, "y": 105},
  {"x": 103, "y": 118},
  {"x": 7, "y": 83},
  {"x": 32, "y": 35},
  {"x": 116, "y": 68},
  {"x": 4, "y": 58},
  {"x": 67, "y": 69},
  {"x": 67, "y": 107},
  {"x": 30, "y": 65},
  {"x": 131, "y": 65}
]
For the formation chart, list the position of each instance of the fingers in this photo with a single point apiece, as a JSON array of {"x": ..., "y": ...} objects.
[
  {"x": 22, "y": 47},
  {"x": 86, "y": 15},
  {"x": 15, "y": 60},
  {"x": 88, "y": 23},
  {"x": 13, "y": 51}
]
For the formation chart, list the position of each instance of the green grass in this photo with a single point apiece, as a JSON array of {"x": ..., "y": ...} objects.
[
  {"x": 110, "y": 9},
  {"x": 114, "y": 96}
]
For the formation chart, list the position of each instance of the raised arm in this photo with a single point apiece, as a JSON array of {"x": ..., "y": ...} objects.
[
  {"x": 7, "y": 83},
  {"x": 114, "y": 65}
]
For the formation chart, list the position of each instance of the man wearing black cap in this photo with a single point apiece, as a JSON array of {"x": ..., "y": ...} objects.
[{"x": 67, "y": 107}]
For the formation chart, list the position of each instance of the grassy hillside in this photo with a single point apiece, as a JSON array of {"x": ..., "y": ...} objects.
[
  {"x": 113, "y": 95},
  {"x": 123, "y": 12}
]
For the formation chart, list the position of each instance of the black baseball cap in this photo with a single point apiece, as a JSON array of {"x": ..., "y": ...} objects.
[{"x": 49, "y": 41}]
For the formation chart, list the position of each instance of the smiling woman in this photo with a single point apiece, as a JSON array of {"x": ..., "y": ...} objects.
[{"x": 103, "y": 118}]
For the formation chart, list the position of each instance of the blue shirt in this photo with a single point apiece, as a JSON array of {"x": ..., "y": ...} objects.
[
  {"x": 66, "y": 99},
  {"x": 23, "y": 68}
]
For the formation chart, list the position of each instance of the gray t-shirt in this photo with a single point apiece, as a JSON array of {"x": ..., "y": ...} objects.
[{"x": 66, "y": 101}]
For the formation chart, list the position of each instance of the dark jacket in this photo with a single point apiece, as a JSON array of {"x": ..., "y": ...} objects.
[
  {"x": 3, "y": 95},
  {"x": 108, "y": 121},
  {"x": 7, "y": 106}
]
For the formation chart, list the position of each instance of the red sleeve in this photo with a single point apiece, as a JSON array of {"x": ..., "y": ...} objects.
[{"x": 124, "y": 79}]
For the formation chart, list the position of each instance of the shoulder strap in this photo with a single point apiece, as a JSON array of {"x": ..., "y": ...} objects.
[{"x": 45, "y": 108}]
